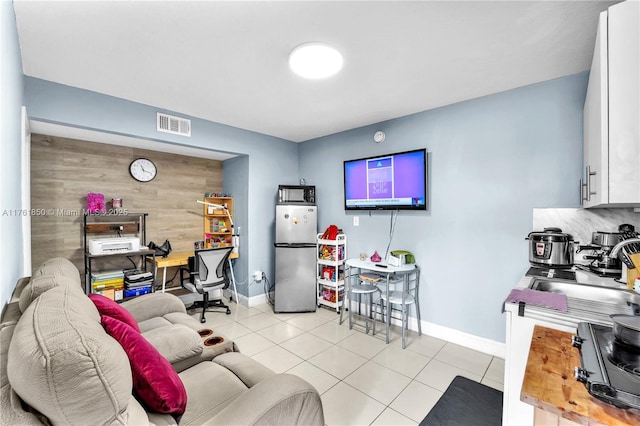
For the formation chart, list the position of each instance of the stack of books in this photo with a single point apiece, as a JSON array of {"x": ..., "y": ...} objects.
[
  {"x": 109, "y": 284},
  {"x": 137, "y": 283}
]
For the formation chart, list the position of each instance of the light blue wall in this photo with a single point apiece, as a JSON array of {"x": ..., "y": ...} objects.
[
  {"x": 491, "y": 161},
  {"x": 236, "y": 182},
  {"x": 11, "y": 101},
  {"x": 252, "y": 179}
]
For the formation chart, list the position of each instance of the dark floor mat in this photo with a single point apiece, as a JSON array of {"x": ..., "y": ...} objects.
[{"x": 466, "y": 403}]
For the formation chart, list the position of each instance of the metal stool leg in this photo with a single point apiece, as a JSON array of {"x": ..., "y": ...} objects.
[
  {"x": 367, "y": 311},
  {"x": 350, "y": 310},
  {"x": 418, "y": 317},
  {"x": 404, "y": 324},
  {"x": 374, "y": 320}
]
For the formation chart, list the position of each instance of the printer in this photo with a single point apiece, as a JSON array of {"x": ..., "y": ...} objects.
[{"x": 114, "y": 245}]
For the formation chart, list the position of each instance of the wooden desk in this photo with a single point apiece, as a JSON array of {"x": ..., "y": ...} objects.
[
  {"x": 182, "y": 259},
  {"x": 549, "y": 384}
]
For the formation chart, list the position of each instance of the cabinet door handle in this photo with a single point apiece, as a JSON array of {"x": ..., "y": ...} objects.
[
  {"x": 589, "y": 173},
  {"x": 582, "y": 186}
]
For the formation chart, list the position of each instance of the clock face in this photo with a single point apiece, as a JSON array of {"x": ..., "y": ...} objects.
[
  {"x": 142, "y": 170},
  {"x": 379, "y": 136}
]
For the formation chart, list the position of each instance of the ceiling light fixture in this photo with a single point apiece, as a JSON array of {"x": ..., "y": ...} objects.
[{"x": 315, "y": 60}]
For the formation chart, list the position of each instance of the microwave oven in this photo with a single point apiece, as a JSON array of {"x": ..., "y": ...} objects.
[{"x": 296, "y": 194}]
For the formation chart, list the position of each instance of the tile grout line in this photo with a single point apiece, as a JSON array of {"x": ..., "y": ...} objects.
[{"x": 323, "y": 320}]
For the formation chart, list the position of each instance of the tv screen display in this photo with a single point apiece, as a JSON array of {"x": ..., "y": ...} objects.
[{"x": 387, "y": 182}]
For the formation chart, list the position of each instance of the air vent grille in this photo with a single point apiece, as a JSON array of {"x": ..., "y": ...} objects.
[{"x": 175, "y": 125}]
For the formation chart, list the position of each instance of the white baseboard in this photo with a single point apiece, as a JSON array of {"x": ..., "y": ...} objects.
[
  {"x": 260, "y": 299},
  {"x": 461, "y": 338},
  {"x": 452, "y": 335},
  {"x": 248, "y": 302},
  {"x": 471, "y": 341}
]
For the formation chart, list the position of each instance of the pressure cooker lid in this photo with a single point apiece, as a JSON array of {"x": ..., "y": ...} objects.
[{"x": 551, "y": 234}]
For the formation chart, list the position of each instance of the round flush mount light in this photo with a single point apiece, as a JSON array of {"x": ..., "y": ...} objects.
[{"x": 315, "y": 60}]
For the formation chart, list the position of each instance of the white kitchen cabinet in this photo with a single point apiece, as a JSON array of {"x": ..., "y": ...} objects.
[
  {"x": 518, "y": 341},
  {"x": 612, "y": 112}
]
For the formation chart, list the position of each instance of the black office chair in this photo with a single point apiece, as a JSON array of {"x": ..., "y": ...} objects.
[{"x": 207, "y": 272}]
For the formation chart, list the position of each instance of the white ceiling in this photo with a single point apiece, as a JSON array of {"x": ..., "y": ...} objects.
[{"x": 226, "y": 61}]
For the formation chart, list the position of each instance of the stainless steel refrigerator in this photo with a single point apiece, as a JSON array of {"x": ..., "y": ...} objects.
[{"x": 295, "y": 245}]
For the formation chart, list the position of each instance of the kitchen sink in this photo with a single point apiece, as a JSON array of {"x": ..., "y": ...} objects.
[
  {"x": 592, "y": 298},
  {"x": 587, "y": 291}
]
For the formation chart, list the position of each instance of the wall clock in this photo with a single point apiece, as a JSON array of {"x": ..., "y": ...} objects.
[
  {"x": 379, "y": 136},
  {"x": 142, "y": 170}
]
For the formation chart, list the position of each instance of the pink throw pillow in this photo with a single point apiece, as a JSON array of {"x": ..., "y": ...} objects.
[
  {"x": 155, "y": 382},
  {"x": 111, "y": 309}
]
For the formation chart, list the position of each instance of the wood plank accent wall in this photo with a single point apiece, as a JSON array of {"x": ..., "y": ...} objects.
[{"x": 64, "y": 170}]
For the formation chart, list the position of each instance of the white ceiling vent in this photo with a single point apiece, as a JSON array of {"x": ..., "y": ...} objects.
[{"x": 176, "y": 125}]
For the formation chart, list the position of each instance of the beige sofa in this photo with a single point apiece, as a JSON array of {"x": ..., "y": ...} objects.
[{"x": 59, "y": 366}]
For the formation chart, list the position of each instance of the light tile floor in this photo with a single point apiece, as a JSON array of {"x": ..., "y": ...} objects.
[{"x": 361, "y": 380}]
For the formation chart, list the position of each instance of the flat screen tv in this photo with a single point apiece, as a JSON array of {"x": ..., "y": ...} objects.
[{"x": 387, "y": 182}]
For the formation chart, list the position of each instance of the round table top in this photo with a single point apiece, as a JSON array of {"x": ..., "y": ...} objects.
[{"x": 368, "y": 264}]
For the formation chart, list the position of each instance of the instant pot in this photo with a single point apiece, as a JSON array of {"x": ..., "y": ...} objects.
[{"x": 551, "y": 247}]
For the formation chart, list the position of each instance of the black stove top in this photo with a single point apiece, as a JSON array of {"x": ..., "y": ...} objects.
[{"x": 610, "y": 370}]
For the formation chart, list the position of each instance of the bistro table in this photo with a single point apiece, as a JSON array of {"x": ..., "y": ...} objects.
[{"x": 357, "y": 266}]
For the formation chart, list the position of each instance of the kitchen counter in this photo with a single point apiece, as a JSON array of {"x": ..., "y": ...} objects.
[
  {"x": 520, "y": 325},
  {"x": 549, "y": 383},
  {"x": 576, "y": 313}
]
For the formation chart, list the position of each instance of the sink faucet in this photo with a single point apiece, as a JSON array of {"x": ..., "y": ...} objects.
[{"x": 624, "y": 257}]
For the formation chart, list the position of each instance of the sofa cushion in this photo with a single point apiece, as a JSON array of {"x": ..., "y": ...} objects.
[
  {"x": 53, "y": 273},
  {"x": 11, "y": 410},
  {"x": 175, "y": 342},
  {"x": 63, "y": 364},
  {"x": 154, "y": 380},
  {"x": 210, "y": 388},
  {"x": 153, "y": 305},
  {"x": 153, "y": 323},
  {"x": 42, "y": 283},
  {"x": 59, "y": 267},
  {"x": 111, "y": 309}
]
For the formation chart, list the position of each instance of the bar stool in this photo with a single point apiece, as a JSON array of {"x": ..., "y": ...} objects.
[
  {"x": 408, "y": 295},
  {"x": 366, "y": 287}
]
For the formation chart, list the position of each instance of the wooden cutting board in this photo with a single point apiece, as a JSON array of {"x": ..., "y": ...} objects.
[
  {"x": 549, "y": 383},
  {"x": 632, "y": 274}
]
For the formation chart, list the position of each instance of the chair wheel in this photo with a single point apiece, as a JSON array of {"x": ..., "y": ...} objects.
[
  {"x": 203, "y": 320},
  {"x": 228, "y": 311}
]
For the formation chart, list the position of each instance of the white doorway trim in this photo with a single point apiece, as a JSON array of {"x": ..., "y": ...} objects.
[{"x": 26, "y": 193}]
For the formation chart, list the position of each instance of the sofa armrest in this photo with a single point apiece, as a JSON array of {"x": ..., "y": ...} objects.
[
  {"x": 20, "y": 285},
  {"x": 283, "y": 399},
  {"x": 247, "y": 369},
  {"x": 176, "y": 342},
  {"x": 153, "y": 305}
]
